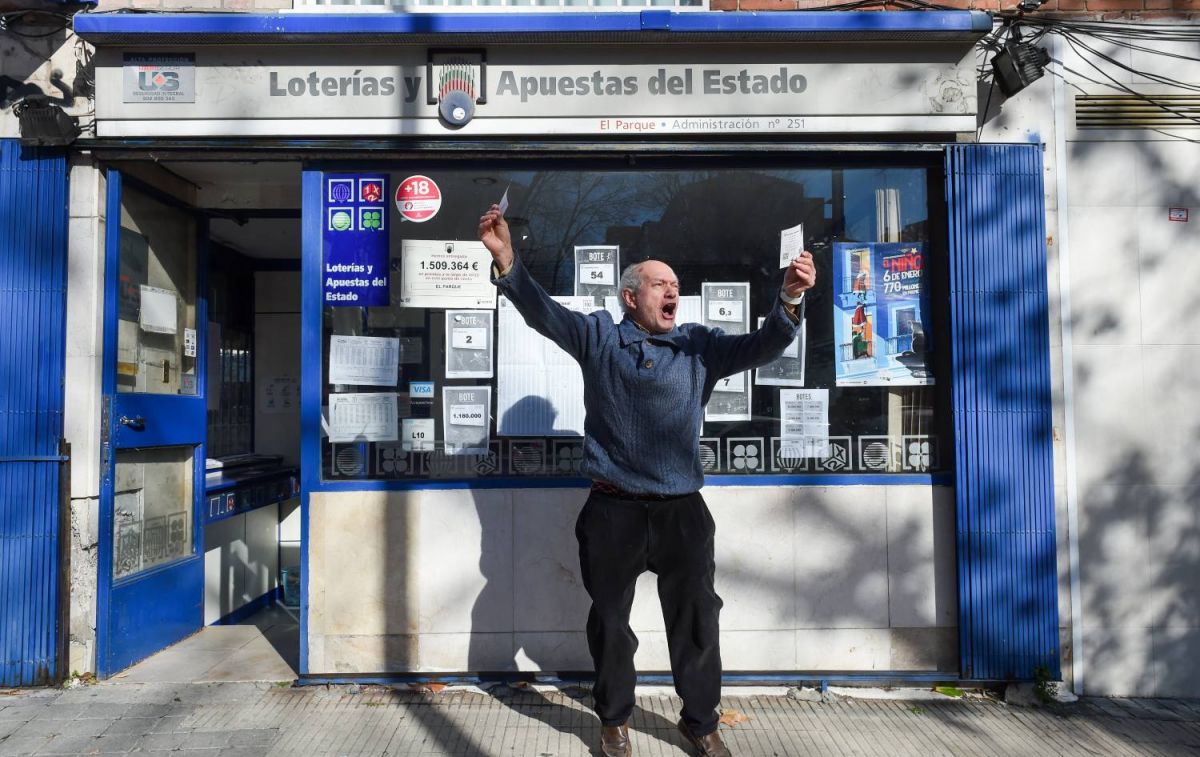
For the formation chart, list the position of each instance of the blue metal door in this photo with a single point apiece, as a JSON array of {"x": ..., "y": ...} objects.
[
  {"x": 33, "y": 258},
  {"x": 151, "y": 584},
  {"x": 1004, "y": 479}
]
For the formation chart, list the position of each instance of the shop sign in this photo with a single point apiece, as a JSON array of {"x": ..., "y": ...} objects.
[
  {"x": 354, "y": 265},
  {"x": 159, "y": 78},
  {"x": 595, "y": 90}
]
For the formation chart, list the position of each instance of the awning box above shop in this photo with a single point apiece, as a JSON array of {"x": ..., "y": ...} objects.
[
  {"x": 457, "y": 76},
  {"x": 649, "y": 26}
]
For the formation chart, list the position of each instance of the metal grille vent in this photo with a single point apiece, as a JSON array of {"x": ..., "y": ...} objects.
[{"x": 1137, "y": 112}]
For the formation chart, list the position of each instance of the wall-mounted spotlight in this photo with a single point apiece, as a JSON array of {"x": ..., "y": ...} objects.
[
  {"x": 44, "y": 124},
  {"x": 1018, "y": 65}
]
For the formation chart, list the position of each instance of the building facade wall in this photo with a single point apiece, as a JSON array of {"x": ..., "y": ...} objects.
[
  {"x": 813, "y": 578},
  {"x": 1127, "y": 345}
]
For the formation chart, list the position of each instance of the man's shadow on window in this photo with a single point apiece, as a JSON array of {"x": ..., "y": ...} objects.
[{"x": 569, "y": 709}]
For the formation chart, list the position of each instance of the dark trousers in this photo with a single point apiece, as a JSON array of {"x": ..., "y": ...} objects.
[{"x": 619, "y": 539}]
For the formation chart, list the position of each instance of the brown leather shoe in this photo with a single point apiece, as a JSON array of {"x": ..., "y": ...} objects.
[
  {"x": 709, "y": 745},
  {"x": 614, "y": 741}
]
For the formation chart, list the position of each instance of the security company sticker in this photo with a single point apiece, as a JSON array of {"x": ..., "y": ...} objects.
[{"x": 418, "y": 198}]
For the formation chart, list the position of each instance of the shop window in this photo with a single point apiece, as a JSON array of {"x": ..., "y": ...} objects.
[{"x": 420, "y": 382}]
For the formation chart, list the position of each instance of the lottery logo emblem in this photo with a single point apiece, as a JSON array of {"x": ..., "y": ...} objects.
[
  {"x": 418, "y": 199},
  {"x": 341, "y": 219},
  {"x": 341, "y": 190},
  {"x": 371, "y": 191}
]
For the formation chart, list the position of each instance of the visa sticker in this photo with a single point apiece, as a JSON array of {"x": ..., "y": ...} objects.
[{"x": 420, "y": 390}]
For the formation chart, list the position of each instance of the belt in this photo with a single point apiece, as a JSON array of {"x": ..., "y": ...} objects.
[{"x": 607, "y": 489}]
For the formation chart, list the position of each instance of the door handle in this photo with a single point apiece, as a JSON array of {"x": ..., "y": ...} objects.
[{"x": 137, "y": 422}]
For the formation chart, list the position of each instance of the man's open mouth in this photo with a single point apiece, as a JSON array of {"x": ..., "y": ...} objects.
[{"x": 668, "y": 310}]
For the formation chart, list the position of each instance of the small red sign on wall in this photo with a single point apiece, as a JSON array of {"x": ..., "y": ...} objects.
[{"x": 1178, "y": 214}]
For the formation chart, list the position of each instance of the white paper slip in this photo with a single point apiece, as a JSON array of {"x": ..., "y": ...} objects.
[
  {"x": 725, "y": 310},
  {"x": 734, "y": 383},
  {"x": 791, "y": 244},
  {"x": 504, "y": 201},
  {"x": 596, "y": 273},
  {"x": 467, "y": 415},
  {"x": 469, "y": 339}
]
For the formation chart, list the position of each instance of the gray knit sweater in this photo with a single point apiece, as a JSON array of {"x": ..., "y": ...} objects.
[{"x": 644, "y": 394}]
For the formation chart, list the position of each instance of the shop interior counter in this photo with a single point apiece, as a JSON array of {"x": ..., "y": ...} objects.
[{"x": 245, "y": 498}]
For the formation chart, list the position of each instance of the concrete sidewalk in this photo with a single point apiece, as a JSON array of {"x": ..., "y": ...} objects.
[{"x": 228, "y": 719}]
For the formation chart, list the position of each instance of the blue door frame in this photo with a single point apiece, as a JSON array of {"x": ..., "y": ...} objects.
[
  {"x": 140, "y": 614},
  {"x": 33, "y": 283}
]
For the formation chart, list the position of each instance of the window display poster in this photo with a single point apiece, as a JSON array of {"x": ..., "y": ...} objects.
[
  {"x": 880, "y": 317},
  {"x": 804, "y": 422},
  {"x": 597, "y": 271},
  {"x": 469, "y": 339},
  {"x": 364, "y": 360},
  {"x": 466, "y": 419},
  {"x": 363, "y": 417},
  {"x": 539, "y": 388},
  {"x": 788, "y": 368},
  {"x": 726, "y": 306},
  {"x": 354, "y": 236},
  {"x": 446, "y": 274}
]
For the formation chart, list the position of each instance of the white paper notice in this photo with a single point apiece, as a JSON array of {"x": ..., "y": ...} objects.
[
  {"x": 189, "y": 342},
  {"x": 726, "y": 305},
  {"x": 804, "y": 422},
  {"x": 791, "y": 244},
  {"x": 596, "y": 270},
  {"x": 469, "y": 343},
  {"x": 539, "y": 386},
  {"x": 465, "y": 419},
  {"x": 504, "y": 201},
  {"x": 364, "y": 360},
  {"x": 788, "y": 368},
  {"x": 159, "y": 310},
  {"x": 418, "y": 435},
  {"x": 363, "y": 417},
  {"x": 446, "y": 274}
]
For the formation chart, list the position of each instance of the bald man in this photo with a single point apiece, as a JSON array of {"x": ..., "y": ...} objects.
[{"x": 646, "y": 381}]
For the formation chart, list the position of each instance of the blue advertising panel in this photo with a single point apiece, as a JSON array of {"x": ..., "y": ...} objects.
[
  {"x": 354, "y": 266},
  {"x": 880, "y": 310}
]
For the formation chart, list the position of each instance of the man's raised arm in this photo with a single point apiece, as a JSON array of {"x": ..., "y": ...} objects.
[{"x": 564, "y": 327}]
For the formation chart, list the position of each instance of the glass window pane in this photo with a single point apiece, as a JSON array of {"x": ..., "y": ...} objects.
[
  {"x": 156, "y": 309},
  {"x": 883, "y": 361},
  {"x": 152, "y": 504}
]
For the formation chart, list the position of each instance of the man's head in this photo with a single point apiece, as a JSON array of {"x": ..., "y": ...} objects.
[{"x": 650, "y": 295}]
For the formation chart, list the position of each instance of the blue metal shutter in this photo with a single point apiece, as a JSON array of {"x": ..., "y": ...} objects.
[
  {"x": 1004, "y": 479},
  {"x": 33, "y": 257}
]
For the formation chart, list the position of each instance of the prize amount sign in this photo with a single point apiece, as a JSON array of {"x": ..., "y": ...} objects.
[{"x": 418, "y": 198}]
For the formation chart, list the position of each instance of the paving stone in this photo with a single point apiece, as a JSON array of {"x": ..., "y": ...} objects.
[
  {"x": 257, "y": 737},
  {"x": 21, "y": 745},
  {"x": 165, "y": 741},
  {"x": 205, "y": 740},
  {"x": 131, "y": 725}
]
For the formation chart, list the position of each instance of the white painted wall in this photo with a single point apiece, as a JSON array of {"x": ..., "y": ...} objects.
[
  {"x": 813, "y": 578},
  {"x": 1128, "y": 385}
]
